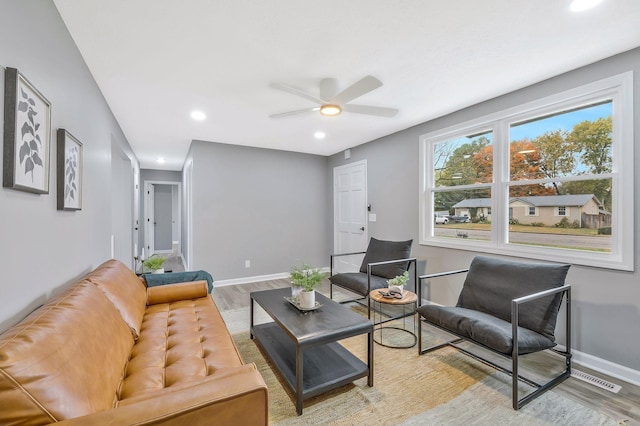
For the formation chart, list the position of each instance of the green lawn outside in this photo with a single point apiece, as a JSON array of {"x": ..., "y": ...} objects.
[{"x": 526, "y": 228}]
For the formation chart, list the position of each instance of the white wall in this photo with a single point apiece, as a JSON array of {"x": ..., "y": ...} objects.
[
  {"x": 606, "y": 303},
  {"x": 43, "y": 249}
]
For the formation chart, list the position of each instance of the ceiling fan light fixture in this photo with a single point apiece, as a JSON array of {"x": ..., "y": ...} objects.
[{"x": 330, "y": 110}]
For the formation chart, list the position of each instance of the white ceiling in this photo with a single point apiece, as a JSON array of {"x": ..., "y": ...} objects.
[{"x": 157, "y": 60}]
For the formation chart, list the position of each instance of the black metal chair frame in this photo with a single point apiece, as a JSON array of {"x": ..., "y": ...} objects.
[
  {"x": 410, "y": 261},
  {"x": 515, "y": 304}
]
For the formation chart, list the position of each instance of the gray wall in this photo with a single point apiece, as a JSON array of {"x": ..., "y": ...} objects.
[
  {"x": 261, "y": 205},
  {"x": 42, "y": 249},
  {"x": 606, "y": 303}
]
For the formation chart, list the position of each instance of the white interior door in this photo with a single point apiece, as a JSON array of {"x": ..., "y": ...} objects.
[{"x": 350, "y": 214}]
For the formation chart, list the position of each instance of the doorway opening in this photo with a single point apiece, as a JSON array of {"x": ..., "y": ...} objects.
[{"x": 162, "y": 218}]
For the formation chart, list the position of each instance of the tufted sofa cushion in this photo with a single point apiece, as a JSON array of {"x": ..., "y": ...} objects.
[
  {"x": 181, "y": 342},
  {"x": 125, "y": 290}
]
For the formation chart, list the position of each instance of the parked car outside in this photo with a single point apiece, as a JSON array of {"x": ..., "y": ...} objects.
[
  {"x": 459, "y": 219},
  {"x": 442, "y": 220}
]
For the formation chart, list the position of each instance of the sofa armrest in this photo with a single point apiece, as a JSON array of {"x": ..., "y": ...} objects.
[
  {"x": 178, "y": 291},
  {"x": 153, "y": 280},
  {"x": 236, "y": 398}
]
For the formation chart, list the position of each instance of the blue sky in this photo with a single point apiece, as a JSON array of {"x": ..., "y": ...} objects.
[{"x": 564, "y": 121}]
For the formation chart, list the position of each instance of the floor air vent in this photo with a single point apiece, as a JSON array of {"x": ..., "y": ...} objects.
[{"x": 597, "y": 381}]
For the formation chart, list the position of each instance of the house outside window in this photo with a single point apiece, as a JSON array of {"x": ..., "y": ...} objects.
[{"x": 551, "y": 179}]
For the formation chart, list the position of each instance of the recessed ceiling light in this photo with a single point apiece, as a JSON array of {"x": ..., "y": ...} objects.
[
  {"x": 160, "y": 160},
  {"x": 580, "y": 5},
  {"x": 319, "y": 135},
  {"x": 198, "y": 115}
]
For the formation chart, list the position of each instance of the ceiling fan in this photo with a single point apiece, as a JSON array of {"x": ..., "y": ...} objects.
[{"x": 332, "y": 103}]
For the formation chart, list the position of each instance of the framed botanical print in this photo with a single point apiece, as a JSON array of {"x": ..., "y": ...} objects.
[
  {"x": 69, "y": 171},
  {"x": 27, "y": 135}
]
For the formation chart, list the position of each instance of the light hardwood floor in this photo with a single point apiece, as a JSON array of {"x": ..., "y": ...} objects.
[{"x": 623, "y": 406}]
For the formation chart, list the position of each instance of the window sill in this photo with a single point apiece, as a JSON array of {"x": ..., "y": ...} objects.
[{"x": 562, "y": 255}]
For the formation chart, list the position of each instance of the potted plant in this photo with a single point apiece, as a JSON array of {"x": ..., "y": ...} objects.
[
  {"x": 154, "y": 264},
  {"x": 306, "y": 279},
  {"x": 397, "y": 284}
]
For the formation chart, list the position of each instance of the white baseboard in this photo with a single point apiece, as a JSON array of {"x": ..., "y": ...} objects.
[
  {"x": 607, "y": 367},
  {"x": 247, "y": 280},
  {"x": 257, "y": 278}
]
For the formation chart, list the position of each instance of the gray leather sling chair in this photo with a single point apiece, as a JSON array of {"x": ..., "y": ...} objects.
[
  {"x": 382, "y": 261},
  {"x": 509, "y": 308}
]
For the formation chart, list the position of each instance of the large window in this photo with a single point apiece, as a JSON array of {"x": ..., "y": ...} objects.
[{"x": 552, "y": 179}]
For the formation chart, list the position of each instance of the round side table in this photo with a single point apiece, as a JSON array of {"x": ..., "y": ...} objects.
[{"x": 409, "y": 301}]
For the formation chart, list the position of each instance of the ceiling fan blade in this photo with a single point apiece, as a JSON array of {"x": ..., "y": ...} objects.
[
  {"x": 297, "y": 92},
  {"x": 328, "y": 89},
  {"x": 298, "y": 111},
  {"x": 371, "y": 110},
  {"x": 357, "y": 89}
]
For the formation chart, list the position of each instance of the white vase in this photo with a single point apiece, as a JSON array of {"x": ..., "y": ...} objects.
[
  {"x": 307, "y": 299},
  {"x": 158, "y": 271}
]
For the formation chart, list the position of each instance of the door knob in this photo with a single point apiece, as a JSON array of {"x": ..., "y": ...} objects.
[{"x": 362, "y": 229}]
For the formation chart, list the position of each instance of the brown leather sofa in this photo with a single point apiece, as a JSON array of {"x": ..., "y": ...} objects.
[{"x": 109, "y": 351}]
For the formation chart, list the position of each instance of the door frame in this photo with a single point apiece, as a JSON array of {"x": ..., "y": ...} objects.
[
  {"x": 149, "y": 215},
  {"x": 335, "y": 202}
]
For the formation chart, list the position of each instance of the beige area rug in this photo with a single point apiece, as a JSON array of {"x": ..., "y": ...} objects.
[{"x": 445, "y": 387}]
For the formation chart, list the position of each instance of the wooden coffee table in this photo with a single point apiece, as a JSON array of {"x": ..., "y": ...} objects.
[
  {"x": 303, "y": 346},
  {"x": 408, "y": 298}
]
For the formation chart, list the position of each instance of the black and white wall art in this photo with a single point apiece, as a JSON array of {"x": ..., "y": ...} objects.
[
  {"x": 27, "y": 135},
  {"x": 69, "y": 171}
]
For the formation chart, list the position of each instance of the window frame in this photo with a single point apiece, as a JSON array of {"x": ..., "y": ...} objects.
[{"x": 618, "y": 89}]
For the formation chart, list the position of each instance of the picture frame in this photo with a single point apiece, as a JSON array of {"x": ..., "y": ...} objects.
[
  {"x": 27, "y": 135},
  {"x": 69, "y": 175}
]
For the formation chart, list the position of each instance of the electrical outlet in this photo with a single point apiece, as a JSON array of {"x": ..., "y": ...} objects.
[{"x": 247, "y": 264}]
